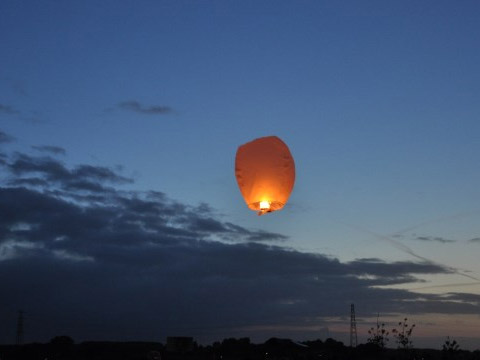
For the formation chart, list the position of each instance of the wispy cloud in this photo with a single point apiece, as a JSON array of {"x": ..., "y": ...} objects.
[
  {"x": 5, "y": 138},
  {"x": 56, "y": 150},
  {"x": 133, "y": 105},
  {"x": 8, "y": 109},
  {"x": 435, "y": 239},
  {"x": 17, "y": 86},
  {"x": 24, "y": 115}
]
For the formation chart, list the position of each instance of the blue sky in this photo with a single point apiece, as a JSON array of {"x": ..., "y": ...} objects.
[{"x": 378, "y": 102}]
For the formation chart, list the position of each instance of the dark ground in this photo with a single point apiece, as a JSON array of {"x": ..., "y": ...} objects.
[{"x": 229, "y": 349}]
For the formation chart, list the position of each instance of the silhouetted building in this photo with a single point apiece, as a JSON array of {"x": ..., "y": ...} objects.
[{"x": 179, "y": 344}]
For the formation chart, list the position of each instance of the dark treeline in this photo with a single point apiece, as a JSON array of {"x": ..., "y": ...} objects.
[{"x": 63, "y": 347}]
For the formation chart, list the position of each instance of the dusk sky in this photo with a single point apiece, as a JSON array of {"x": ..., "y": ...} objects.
[{"x": 120, "y": 215}]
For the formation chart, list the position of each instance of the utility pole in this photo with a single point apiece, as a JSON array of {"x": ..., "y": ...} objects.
[
  {"x": 353, "y": 327},
  {"x": 19, "y": 338}
]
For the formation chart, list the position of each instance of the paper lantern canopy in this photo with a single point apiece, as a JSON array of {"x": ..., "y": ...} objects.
[{"x": 265, "y": 173}]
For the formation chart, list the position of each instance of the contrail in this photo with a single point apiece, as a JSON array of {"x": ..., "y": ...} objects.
[
  {"x": 396, "y": 244},
  {"x": 402, "y": 247},
  {"x": 460, "y": 215}
]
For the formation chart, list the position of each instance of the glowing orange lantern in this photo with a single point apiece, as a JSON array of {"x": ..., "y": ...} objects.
[{"x": 265, "y": 173}]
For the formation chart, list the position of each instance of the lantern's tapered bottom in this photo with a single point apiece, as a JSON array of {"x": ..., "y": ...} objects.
[{"x": 262, "y": 209}]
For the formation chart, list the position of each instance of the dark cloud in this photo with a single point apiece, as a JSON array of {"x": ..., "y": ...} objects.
[
  {"x": 95, "y": 262},
  {"x": 135, "y": 106},
  {"x": 83, "y": 177},
  {"x": 7, "y": 109},
  {"x": 56, "y": 150},
  {"x": 477, "y": 239},
  {"x": 28, "y": 181},
  {"x": 5, "y": 138},
  {"x": 258, "y": 235},
  {"x": 435, "y": 239}
]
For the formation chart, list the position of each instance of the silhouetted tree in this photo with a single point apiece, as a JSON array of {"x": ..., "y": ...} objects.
[
  {"x": 378, "y": 335},
  {"x": 61, "y": 346},
  {"x": 450, "y": 349},
  {"x": 403, "y": 335},
  {"x": 62, "y": 341}
]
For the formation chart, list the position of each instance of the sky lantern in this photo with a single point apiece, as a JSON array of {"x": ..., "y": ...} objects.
[{"x": 265, "y": 173}]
